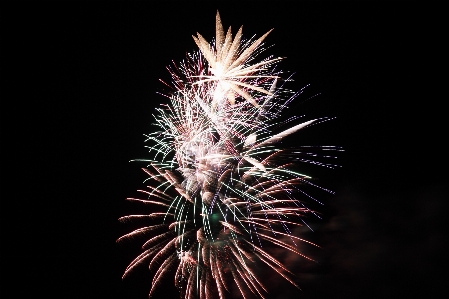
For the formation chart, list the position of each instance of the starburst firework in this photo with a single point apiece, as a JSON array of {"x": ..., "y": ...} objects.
[{"x": 227, "y": 190}]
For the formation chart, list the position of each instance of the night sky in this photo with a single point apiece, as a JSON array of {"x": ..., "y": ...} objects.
[{"x": 80, "y": 81}]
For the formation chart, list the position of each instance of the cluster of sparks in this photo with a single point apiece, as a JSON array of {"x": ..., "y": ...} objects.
[{"x": 225, "y": 188}]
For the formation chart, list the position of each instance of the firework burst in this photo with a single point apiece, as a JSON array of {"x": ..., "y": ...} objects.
[{"x": 226, "y": 189}]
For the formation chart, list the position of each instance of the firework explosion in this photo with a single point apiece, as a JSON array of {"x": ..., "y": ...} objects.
[{"x": 224, "y": 189}]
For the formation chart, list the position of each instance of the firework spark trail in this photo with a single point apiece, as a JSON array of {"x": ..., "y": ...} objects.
[{"x": 219, "y": 175}]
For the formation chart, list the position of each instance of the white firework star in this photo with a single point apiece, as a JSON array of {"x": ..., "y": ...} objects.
[{"x": 226, "y": 187}]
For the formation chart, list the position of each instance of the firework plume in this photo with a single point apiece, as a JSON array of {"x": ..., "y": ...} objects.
[{"x": 222, "y": 190}]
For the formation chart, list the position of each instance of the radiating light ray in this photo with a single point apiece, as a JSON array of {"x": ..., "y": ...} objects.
[{"x": 229, "y": 190}]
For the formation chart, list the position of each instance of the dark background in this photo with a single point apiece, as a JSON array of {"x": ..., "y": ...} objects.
[{"x": 79, "y": 85}]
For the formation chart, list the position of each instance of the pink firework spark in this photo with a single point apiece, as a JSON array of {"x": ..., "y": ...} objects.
[{"x": 226, "y": 188}]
